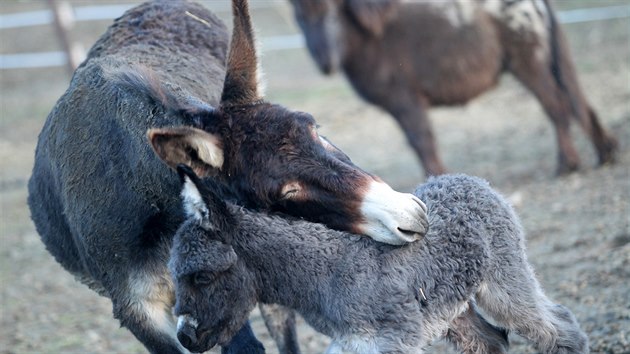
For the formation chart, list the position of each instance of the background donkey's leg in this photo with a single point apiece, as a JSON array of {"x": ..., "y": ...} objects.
[
  {"x": 543, "y": 64},
  {"x": 537, "y": 77},
  {"x": 411, "y": 113},
  {"x": 280, "y": 322}
]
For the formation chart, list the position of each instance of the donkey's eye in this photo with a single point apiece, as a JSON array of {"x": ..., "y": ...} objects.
[
  {"x": 202, "y": 278},
  {"x": 290, "y": 190},
  {"x": 289, "y": 194}
]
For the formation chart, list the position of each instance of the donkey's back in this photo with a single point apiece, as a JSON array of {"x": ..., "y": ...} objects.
[{"x": 103, "y": 203}]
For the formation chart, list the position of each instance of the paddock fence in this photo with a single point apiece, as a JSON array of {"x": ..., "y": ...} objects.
[{"x": 63, "y": 16}]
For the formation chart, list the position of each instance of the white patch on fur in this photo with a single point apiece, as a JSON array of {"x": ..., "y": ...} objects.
[
  {"x": 194, "y": 206},
  {"x": 387, "y": 212},
  {"x": 369, "y": 344},
  {"x": 524, "y": 15},
  {"x": 493, "y": 7},
  {"x": 435, "y": 327},
  {"x": 208, "y": 149},
  {"x": 355, "y": 344},
  {"x": 153, "y": 296},
  {"x": 186, "y": 320},
  {"x": 458, "y": 12}
]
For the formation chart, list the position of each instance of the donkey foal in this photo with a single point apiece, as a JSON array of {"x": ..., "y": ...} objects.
[{"x": 368, "y": 296}]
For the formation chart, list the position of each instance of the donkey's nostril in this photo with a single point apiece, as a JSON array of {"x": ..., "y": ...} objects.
[
  {"x": 412, "y": 235},
  {"x": 420, "y": 203},
  {"x": 187, "y": 336}
]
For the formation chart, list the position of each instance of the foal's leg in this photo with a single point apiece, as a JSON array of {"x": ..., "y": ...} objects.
[
  {"x": 513, "y": 297},
  {"x": 472, "y": 334},
  {"x": 280, "y": 322}
]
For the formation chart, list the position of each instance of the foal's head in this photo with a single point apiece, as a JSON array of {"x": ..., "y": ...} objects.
[{"x": 215, "y": 291}]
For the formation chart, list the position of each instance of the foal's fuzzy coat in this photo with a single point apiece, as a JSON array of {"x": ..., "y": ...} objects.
[{"x": 369, "y": 297}]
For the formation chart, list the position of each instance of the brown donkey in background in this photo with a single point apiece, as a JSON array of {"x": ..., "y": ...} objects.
[{"x": 408, "y": 56}]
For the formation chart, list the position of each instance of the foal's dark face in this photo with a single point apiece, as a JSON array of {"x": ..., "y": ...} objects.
[
  {"x": 214, "y": 294},
  {"x": 214, "y": 290}
]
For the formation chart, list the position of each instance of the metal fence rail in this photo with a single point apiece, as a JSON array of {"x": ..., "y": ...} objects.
[{"x": 272, "y": 43}]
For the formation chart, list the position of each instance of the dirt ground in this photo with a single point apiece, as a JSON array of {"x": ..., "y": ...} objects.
[{"x": 578, "y": 226}]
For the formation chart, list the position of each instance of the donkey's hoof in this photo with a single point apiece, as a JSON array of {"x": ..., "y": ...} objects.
[
  {"x": 565, "y": 169},
  {"x": 608, "y": 154}
]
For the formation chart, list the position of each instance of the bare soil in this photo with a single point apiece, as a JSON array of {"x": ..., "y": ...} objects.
[{"x": 578, "y": 226}]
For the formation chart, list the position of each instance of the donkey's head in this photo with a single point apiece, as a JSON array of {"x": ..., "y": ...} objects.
[
  {"x": 273, "y": 159},
  {"x": 214, "y": 290},
  {"x": 327, "y": 23},
  {"x": 321, "y": 27}
]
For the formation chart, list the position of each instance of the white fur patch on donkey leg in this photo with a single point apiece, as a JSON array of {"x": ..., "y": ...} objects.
[{"x": 153, "y": 296}]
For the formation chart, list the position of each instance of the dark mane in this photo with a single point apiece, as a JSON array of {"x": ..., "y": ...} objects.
[{"x": 140, "y": 78}]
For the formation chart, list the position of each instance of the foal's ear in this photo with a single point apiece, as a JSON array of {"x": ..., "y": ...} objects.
[
  {"x": 200, "y": 150},
  {"x": 194, "y": 205},
  {"x": 373, "y": 15}
]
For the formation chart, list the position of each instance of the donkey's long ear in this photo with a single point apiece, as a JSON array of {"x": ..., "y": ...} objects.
[
  {"x": 241, "y": 78},
  {"x": 200, "y": 150},
  {"x": 373, "y": 15}
]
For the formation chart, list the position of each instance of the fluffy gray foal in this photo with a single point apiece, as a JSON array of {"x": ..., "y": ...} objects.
[{"x": 367, "y": 296}]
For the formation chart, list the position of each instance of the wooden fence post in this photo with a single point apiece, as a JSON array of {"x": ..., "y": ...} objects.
[{"x": 63, "y": 21}]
